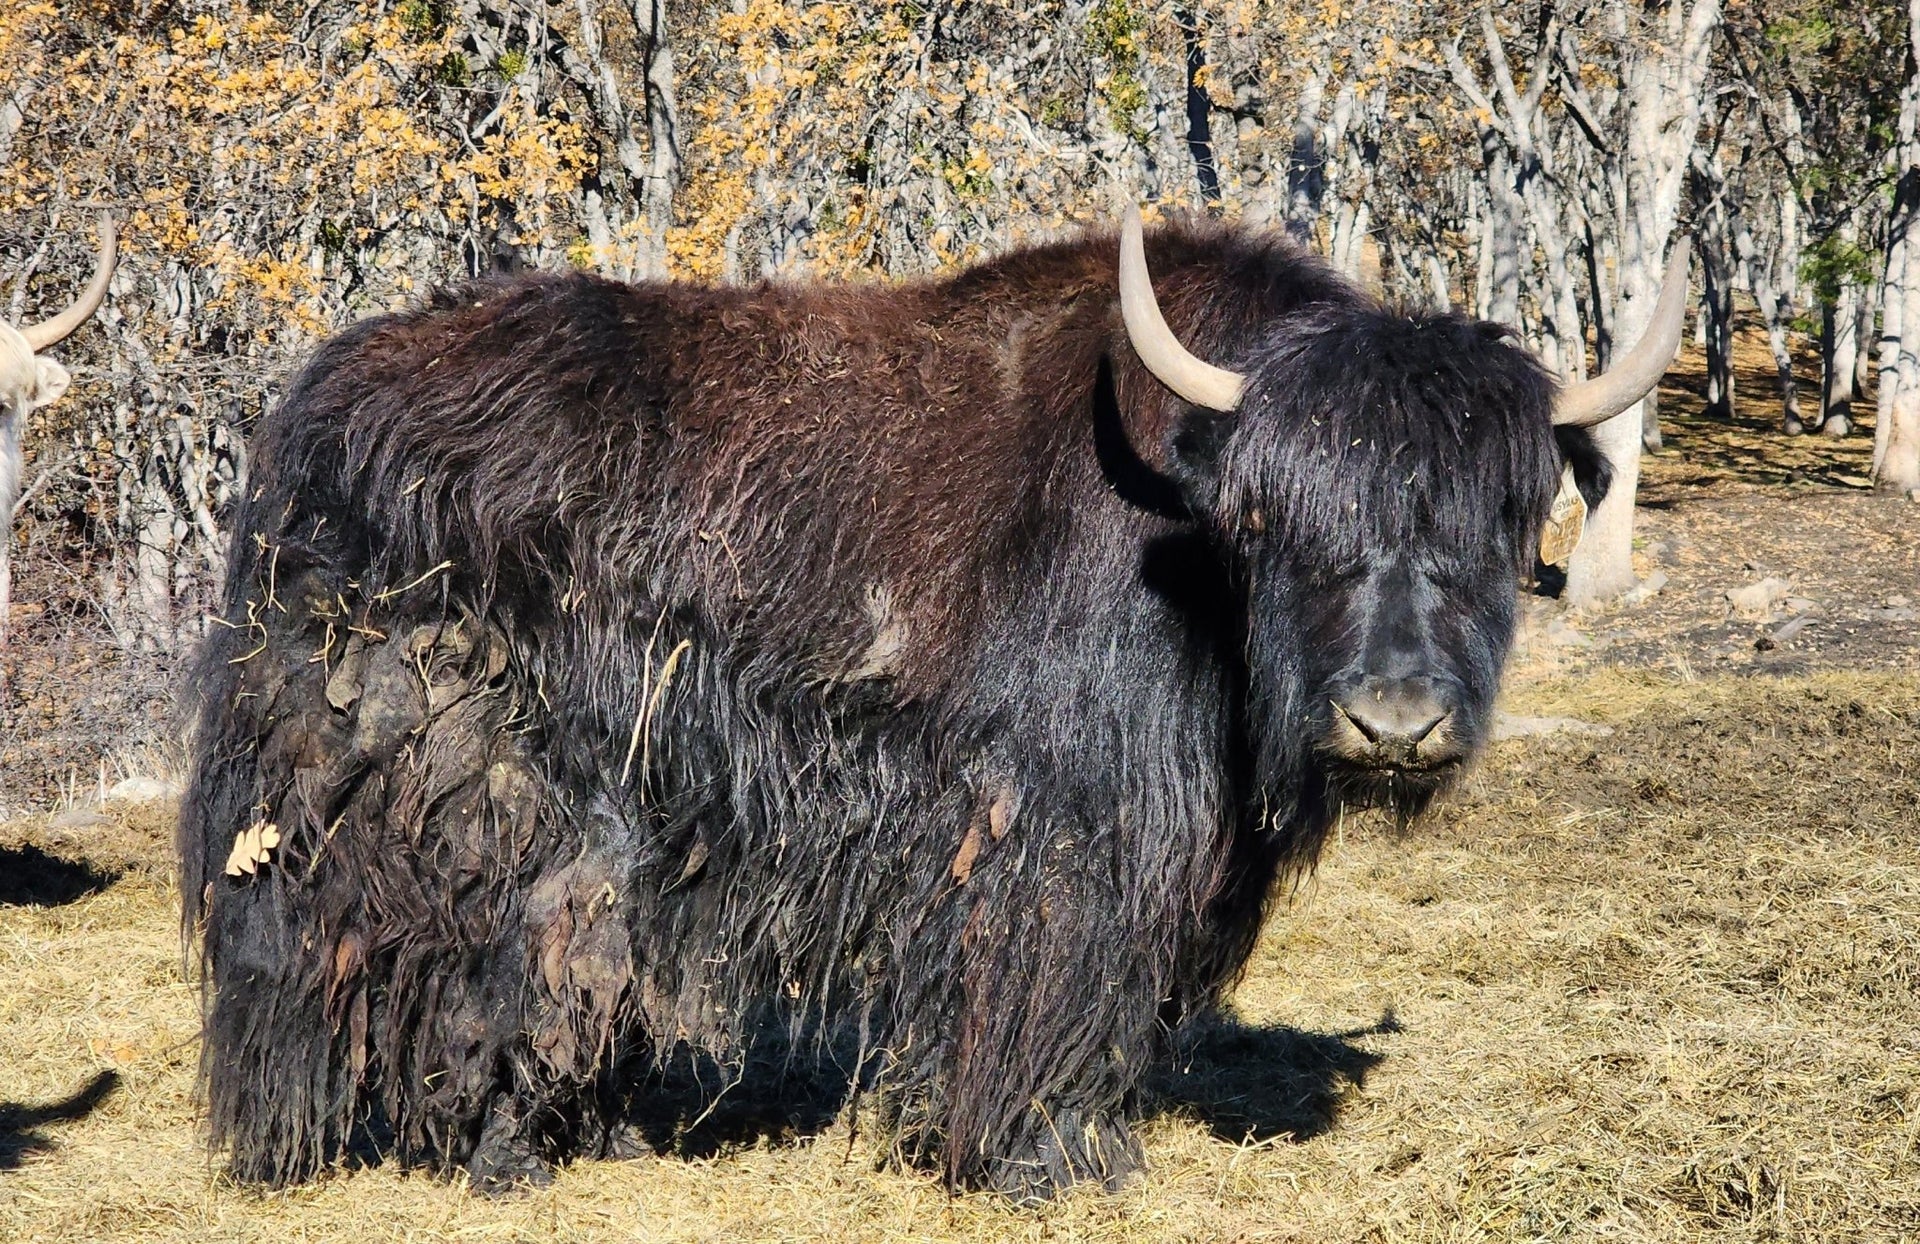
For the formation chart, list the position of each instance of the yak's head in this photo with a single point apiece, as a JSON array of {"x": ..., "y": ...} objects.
[
  {"x": 28, "y": 382},
  {"x": 1379, "y": 482}
]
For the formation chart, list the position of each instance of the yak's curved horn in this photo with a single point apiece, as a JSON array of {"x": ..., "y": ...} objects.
[
  {"x": 60, "y": 327},
  {"x": 1195, "y": 379},
  {"x": 1631, "y": 378}
]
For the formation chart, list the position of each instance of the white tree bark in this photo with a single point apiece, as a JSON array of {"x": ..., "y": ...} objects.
[
  {"x": 1866, "y": 315},
  {"x": 1499, "y": 295},
  {"x": 663, "y": 133},
  {"x": 1306, "y": 180},
  {"x": 1896, "y": 434},
  {"x": 1776, "y": 309},
  {"x": 1663, "y": 80},
  {"x": 1838, "y": 346}
]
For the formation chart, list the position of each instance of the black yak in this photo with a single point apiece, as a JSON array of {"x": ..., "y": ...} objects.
[{"x": 612, "y": 669}]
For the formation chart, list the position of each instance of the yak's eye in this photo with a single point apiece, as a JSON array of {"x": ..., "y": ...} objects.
[
  {"x": 1332, "y": 574},
  {"x": 1462, "y": 573}
]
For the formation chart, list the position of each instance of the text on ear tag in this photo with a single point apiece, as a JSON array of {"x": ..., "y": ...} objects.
[{"x": 1565, "y": 521}]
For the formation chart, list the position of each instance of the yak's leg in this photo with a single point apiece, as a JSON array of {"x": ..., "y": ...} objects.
[
  {"x": 584, "y": 1031},
  {"x": 1047, "y": 1009},
  {"x": 321, "y": 1023},
  {"x": 1069, "y": 918},
  {"x": 280, "y": 1090},
  {"x": 1056, "y": 1030},
  {"x": 375, "y": 965},
  {"x": 507, "y": 1157}
]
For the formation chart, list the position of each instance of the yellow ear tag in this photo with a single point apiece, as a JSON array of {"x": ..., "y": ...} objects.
[{"x": 1565, "y": 521}]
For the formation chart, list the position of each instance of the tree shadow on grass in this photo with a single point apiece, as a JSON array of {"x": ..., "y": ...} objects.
[
  {"x": 19, "y": 1123},
  {"x": 29, "y": 877},
  {"x": 1248, "y": 1083}
]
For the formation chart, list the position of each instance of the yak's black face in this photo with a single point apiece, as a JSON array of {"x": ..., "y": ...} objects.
[
  {"x": 1397, "y": 650},
  {"x": 1381, "y": 491}
]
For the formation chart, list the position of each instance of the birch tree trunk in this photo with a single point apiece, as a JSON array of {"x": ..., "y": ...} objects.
[
  {"x": 1663, "y": 80},
  {"x": 1500, "y": 295},
  {"x": 1718, "y": 301},
  {"x": 1839, "y": 347},
  {"x": 1776, "y": 309},
  {"x": 1715, "y": 249},
  {"x": 1866, "y": 315},
  {"x": 1896, "y": 435},
  {"x": 663, "y": 133},
  {"x": 1838, "y": 320},
  {"x": 1306, "y": 180}
]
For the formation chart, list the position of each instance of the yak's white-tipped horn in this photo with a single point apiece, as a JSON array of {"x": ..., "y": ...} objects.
[
  {"x": 1195, "y": 379},
  {"x": 1634, "y": 375},
  {"x": 60, "y": 327}
]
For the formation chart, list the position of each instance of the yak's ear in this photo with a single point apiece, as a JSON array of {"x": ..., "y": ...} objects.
[
  {"x": 50, "y": 380},
  {"x": 1194, "y": 453},
  {"x": 1592, "y": 472},
  {"x": 1138, "y": 479}
]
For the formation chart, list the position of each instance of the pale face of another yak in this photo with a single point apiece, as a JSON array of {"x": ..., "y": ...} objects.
[
  {"x": 1379, "y": 480},
  {"x": 28, "y": 382}
]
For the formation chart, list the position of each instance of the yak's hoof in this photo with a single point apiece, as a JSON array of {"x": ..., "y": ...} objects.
[
  {"x": 1072, "y": 1148},
  {"x": 495, "y": 1175},
  {"x": 623, "y": 1143},
  {"x": 505, "y": 1162}
]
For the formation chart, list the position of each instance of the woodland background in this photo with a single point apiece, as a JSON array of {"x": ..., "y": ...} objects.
[{"x": 282, "y": 167}]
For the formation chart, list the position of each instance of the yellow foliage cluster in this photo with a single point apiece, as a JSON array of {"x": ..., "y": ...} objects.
[
  {"x": 849, "y": 115},
  {"x": 802, "y": 72},
  {"x": 208, "y": 124},
  {"x": 862, "y": 119}
]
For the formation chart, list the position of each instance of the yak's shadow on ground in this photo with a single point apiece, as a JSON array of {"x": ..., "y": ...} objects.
[
  {"x": 1253, "y": 1084},
  {"x": 1244, "y": 1083},
  {"x": 786, "y": 1091},
  {"x": 29, "y": 877},
  {"x": 20, "y": 1124}
]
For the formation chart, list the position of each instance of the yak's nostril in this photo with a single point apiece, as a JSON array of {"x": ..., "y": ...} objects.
[{"x": 1393, "y": 718}]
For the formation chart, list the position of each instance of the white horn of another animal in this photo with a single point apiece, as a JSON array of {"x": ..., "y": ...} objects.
[
  {"x": 60, "y": 327},
  {"x": 1193, "y": 378},
  {"x": 1633, "y": 377}
]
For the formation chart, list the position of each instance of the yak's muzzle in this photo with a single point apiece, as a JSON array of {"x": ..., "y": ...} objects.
[{"x": 1394, "y": 723}]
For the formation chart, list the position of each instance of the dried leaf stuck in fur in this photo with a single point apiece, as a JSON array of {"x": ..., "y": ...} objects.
[{"x": 252, "y": 848}]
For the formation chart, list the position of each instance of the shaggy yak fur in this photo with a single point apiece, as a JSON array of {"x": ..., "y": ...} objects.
[{"x": 625, "y": 668}]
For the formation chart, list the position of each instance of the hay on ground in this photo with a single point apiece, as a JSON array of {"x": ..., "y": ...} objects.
[{"x": 1659, "y": 985}]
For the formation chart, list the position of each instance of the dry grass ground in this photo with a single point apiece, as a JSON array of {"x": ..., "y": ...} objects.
[{"x": 1658, "y": 986}]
